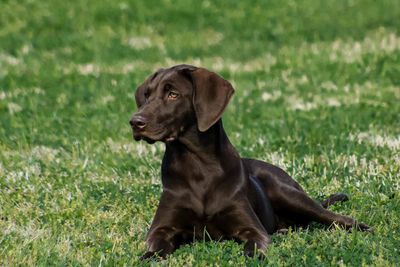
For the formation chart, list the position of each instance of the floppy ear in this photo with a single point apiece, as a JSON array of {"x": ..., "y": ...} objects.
[{"x": 210, "y": 97}]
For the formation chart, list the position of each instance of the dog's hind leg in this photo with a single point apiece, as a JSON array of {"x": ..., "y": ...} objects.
[
  {"x": 332, "y": 199},
  {"x": 297, "y": 202}
]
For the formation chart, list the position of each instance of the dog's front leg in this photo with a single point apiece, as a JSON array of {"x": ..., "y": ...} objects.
[
  {"x": 160, "y": 243},
  {"x": 160, "y": 238},
  {"x": 255, "y": 241},
  {"x": 245, "y": 227}
]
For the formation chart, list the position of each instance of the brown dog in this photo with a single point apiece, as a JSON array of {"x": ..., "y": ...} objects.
[{"x": 207, "y": 186}]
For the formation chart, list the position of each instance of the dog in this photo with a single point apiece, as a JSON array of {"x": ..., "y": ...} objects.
[{"x": 207, "y": 186}]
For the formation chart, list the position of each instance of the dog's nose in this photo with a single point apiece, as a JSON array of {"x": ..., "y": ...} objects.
[{"x": 138, "y": 122}]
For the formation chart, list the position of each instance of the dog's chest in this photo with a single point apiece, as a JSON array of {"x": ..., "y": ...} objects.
[{"x": 196, "y": 186}]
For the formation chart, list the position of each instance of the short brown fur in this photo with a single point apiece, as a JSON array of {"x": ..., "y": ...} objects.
[{"x": 206, "y": 184}]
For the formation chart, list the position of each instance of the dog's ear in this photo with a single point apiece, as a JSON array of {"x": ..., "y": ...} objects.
[{"x": 210, "y": 97}]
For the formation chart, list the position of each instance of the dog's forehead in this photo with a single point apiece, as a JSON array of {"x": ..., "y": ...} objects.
[
  {"x": 166, "y": 75},
  {"x": 154, "y": 78}
]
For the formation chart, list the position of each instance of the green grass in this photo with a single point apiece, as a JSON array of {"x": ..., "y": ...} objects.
[{"x": 317, "y": 93}]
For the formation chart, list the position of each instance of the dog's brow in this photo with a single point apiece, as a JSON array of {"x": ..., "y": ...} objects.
[
  {"x": 169, "y": 81},
  {"x": 154, "y": 76}
]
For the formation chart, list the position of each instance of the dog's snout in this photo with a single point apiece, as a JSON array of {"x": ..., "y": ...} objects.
[{"x": 138, "y": 122}]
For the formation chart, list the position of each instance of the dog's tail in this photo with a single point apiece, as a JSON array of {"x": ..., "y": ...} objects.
[{"x": 333, "y": 199}]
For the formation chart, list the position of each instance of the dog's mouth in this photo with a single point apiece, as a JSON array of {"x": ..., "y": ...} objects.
[
  {"x": 148, "y": 140},
  {"x": 152, "y": 140}
]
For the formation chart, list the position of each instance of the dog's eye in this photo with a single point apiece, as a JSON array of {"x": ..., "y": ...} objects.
[
  {"x": 173, "y": 95},
  {"x": 146, "y": 94}
]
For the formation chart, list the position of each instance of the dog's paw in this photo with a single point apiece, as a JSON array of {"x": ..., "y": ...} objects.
[
  {"x": 365, "y": 228},
  {"x": 338, "y": 197},
  {"x": 251, "y": 250},
  {"x": 282, "y": 231},
  {"x": 253, "y": 253},
  {"x": 332, "y": 199},
  {"x": 151, "y": 255},
  {"x": 148, "y": 255}
]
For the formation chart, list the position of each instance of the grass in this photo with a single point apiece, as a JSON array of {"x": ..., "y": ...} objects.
[{"x": 317, "y": 93}]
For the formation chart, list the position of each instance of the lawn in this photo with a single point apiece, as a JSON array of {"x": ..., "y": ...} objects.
[{"x": 317, "y": 93}]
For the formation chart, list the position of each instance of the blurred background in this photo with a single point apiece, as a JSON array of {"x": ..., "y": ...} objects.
[{"x": 92, "y": 50}]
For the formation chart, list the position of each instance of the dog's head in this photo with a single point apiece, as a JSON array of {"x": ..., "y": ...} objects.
[{"x": 173, "y": 99}]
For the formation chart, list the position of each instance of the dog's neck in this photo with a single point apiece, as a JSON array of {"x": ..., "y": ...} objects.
[
  {"x": 213, "y": 142},
  {"x": 201, "y": 159}
]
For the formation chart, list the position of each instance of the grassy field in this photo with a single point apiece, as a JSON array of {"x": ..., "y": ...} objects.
[{"x": 317, "y": 93}]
